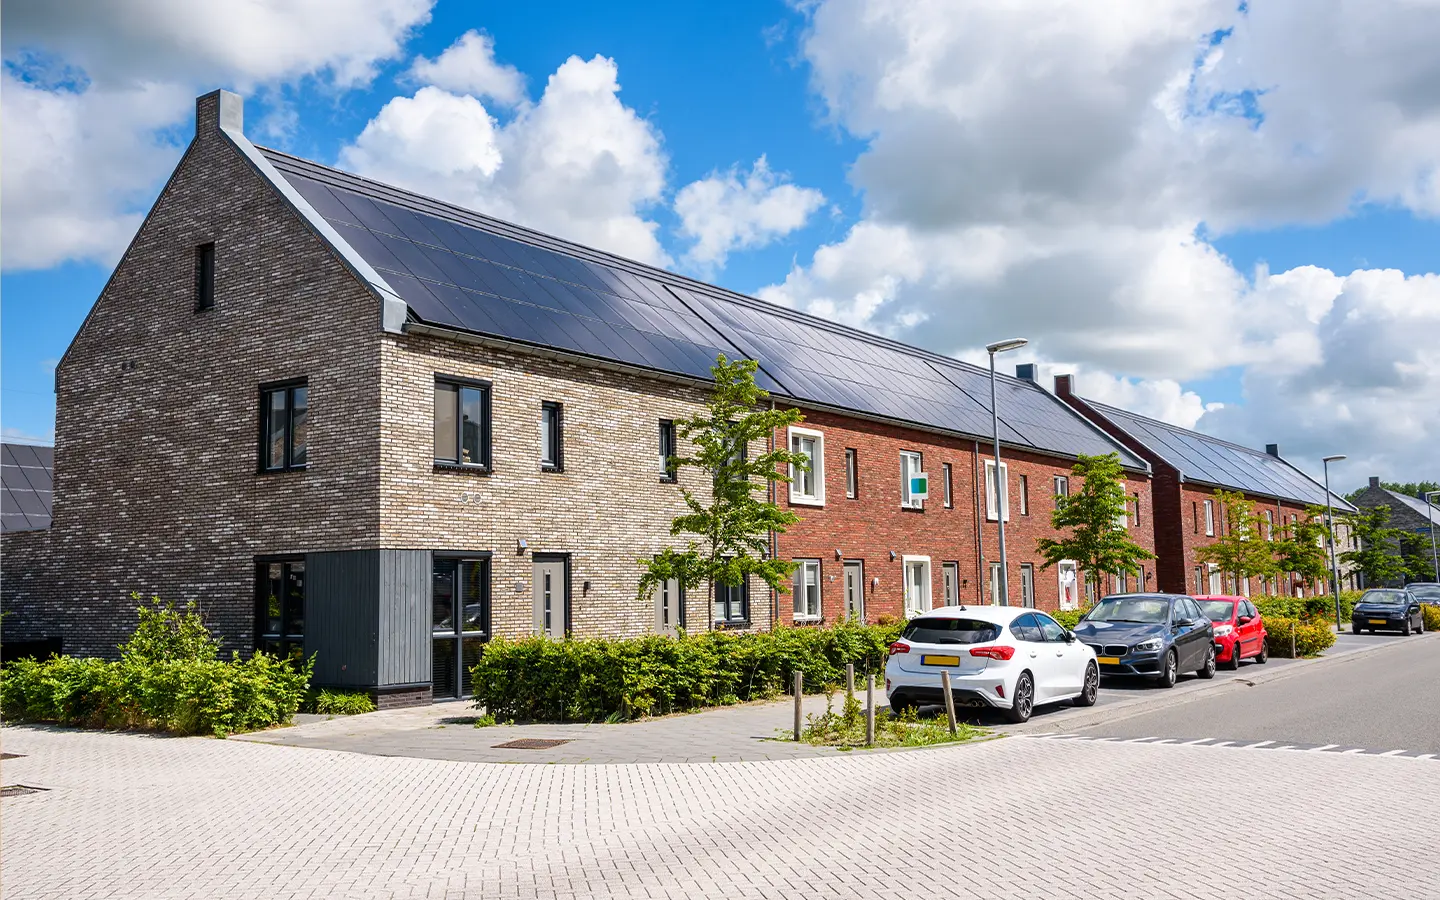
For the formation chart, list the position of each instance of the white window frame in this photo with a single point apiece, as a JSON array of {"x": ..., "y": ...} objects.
[
  {"x": 990, "y": 490},
  {"x": 1122, "y": 521},
  {"x": 1024, "y": 495},
  {"x": 1216, "y": 579},
  {"x": 912, "y": 463},
  {"x": 1060, "y": 485},
  {"x": 817, "y": 468},
  {"x": 946, "y": 479},
  {"x": 852, "y": 474},
  {"x": 995, "y": 577},
  {"x": 807, "y": 589},
  {"x": 1063, "y": 568},
  {"x": 1027, "y": 585},
  {"x": 950, "y": 582},
  {"x": 924, "y": 603},
  {"x": 1269, "y": 525},
  {"x": 1209, "y": 518}
]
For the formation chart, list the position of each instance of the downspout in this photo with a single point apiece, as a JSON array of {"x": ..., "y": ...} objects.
[
  {"x": 770, "y": 491},
  {"x": 979, "y": 550}
]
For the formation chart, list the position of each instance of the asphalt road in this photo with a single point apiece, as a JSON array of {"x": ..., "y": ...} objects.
[{"x": 1386, "y": 700}]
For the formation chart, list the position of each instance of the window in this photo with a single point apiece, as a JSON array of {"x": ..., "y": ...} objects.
[
  {"x": 552, "y": 437},
  {"x": 1024, "y": 495},
  {"x": 732, "y": 603},
  {"x": 669, "y": 606},
  {"x": 807, "y": 590},
  {"x": 1061, "y": 485},
  {"x": 917, "y": 584},
  {"x": 950, "y": 583},
  {"x": 284, "y": 433},
  {"x": 997, "y": 590},
  {"x": 1195, "y": 516},
  {"x": 1026, "y": 628},
  {"x": 1217, "y": 584},
  {"x": 668, "y": 450},
  {"x": 1269, "y": 525},
  {"x": 204, "y": 276},
  {"x": 991, "y": 509},
  {"x": 1066, "y": 574},
  {"x": 1135, "y": 497},
  {"x": 1027, "y": 584},
  {"x": 459, "y": 621},
  {"x": 462, "y": 423},
  {"x": 280, "y": 608},
  {"x": 1244, "y": 586},
  {"x": 1050, "y": 629},
  {"x": 808, "y": 487},
  {"x": 949, "y": 492},
  {"x": 1122, "y": 583},
  {"x": 1199, "y": 580},
  {"x": 910, "y": 469},
  {"x": 1209, "y": 518},
  {"x": 852, "y": 475}
]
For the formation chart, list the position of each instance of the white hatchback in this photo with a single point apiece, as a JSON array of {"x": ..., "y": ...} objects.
[{"x": 1002, "y": 657}]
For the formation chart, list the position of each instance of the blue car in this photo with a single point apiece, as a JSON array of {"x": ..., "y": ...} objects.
[
  {"x": 1154, "y": 636},
  {"x": 1391, "y": 609}
]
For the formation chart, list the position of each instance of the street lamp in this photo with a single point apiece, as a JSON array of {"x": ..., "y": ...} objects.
[
  {"x": 1330, "y": 533},
  {"x": 1430, "y": 517},
  {"x": 1000, "y": 498}
]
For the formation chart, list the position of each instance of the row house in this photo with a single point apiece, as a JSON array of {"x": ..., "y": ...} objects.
[
  {"x": 354, "y": 422},
  {"x": 1189, "y": 468}
]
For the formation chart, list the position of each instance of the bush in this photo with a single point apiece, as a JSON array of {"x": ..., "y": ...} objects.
[
  {"x": 168, "y": 678},
  {"x": 1069, "y": 618},
  {"x": 343, "y": 703},
  {"x": 1431, "y": 616},
  {"x": 597, "y": 679},
  {"x": 1310, "y": 610},
  {"x": 1309, "y": 640}
]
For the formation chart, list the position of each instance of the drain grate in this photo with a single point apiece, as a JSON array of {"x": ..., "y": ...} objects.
[
  {"x": 11, "y": 755},
  {"x": 14, "y": 790},
  {"x": 529, "y": 744}
]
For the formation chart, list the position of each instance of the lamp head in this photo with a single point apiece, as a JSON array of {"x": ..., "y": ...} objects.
[
  {"x": 1008, "y": 344},
  {"x": 1336, "y": 458}
]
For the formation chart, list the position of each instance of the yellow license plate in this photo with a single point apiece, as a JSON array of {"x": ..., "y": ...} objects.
[
  {"x": 940, "y": 660},
  {"x": 1108, "y": 660},
  {"x": 1377, "y": 621}
]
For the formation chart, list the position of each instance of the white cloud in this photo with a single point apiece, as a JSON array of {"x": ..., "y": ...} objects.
[
  {"x": 468, "y": 66},
  {"x": 731, "y": 211},
  {"x": 97, "y": 97},
  {"x": 578, "y": 163},
  {"x": 18, "y": 436}
]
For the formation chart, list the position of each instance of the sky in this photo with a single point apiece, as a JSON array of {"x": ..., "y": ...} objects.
[{"x": 1223, "y": 215}]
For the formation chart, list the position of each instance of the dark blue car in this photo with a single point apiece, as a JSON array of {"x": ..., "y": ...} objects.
[
  {"x": 1150, "y": 635},
  {"x": 1391, "y": 609}
]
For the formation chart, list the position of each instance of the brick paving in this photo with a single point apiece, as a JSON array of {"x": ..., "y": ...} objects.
[{"x": 137, "y": 816}]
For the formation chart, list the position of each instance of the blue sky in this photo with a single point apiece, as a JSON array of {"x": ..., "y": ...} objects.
[{"x": 814, "y": 91}]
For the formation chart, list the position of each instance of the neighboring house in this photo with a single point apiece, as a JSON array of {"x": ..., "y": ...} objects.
[
  {"x": 354, "y": 422},
  {"x": 1407, "y": 513},
  {"x": 1189, "y": 468}
]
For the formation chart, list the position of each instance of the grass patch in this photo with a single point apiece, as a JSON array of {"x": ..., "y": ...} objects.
[{"x": 846, "y": 729}]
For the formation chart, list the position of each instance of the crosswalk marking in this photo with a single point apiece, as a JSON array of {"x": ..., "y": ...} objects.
[
  {"x": 1392, "y": 753},
  {"x": 1333, "y": 749}
]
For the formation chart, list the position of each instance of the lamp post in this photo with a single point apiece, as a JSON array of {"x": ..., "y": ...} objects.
[
  {"x": 1330, "y": 535},
  {"x": 1000, "y": 498},
  {"x": 1430, "y": 517}
]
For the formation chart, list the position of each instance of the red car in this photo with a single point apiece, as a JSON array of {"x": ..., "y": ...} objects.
[{"x": 1239, "y": 629}]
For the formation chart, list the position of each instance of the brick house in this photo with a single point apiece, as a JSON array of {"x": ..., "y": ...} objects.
[
  {"x": 1189, "y": 468},
  {"x": 1407, "y": 513},
  {"x": 354, "y": 422}
]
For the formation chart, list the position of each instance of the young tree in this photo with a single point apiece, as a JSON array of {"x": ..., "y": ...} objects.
[
  {"x": 731, "y": 531},
  {"x": 1097, "y": 542},
  {"x": 1238, "y": 550},
  {"x": 1378, "y": 555},
  {"x": 1301, "y": 548}
]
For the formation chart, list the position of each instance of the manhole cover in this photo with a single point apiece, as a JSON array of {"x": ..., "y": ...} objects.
[
  {"x": 529, "y": 744},
  {"x": 11, "y": 755},
  {"x": 12, "y": 790}
]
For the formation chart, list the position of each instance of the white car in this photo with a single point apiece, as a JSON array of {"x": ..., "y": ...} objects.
[{"x": 1002, "y": 657}]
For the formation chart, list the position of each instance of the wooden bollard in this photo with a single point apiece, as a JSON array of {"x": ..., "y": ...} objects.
[
  {"x": 849, "y": 680},
  {"x": 799, "y": 692},
  {"x": 949, "y": 702},
  {"x": 870, "y": 710}
]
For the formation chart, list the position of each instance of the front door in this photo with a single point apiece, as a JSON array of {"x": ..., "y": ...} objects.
[
  {"x": 669, "y": 607},
  {"x": 855, "y": 590},
  {"x": 950, "y": 578},
  {"x": 550, "y": 593}
]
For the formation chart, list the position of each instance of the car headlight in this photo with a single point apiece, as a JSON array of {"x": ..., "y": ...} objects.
[
  {"x": 1152, "y": 644},
  {"x": 1222, "y": 630}
]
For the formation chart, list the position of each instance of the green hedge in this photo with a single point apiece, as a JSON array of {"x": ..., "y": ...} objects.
[
  {"x": 590, "y": 680},
  {"x": 1432, "y": 616},
  {"x": 1309, "y": 640},
  {"x": 1069, "y": 618},
  {"x": 1313, "y": 610}
]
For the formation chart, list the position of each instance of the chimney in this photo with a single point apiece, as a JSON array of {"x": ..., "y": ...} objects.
[
  {"x": 1064, "y": 385},
  {"x": 1375, "y": 481},
  {"x": 217, "y": 110},
  {"x": 1273, "y": 450},
  {"x": 1026, "y": 372}
]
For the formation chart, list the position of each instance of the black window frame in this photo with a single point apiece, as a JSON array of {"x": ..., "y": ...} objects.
[
  {"x": 461, "y": 638},
  {"x": 556, "y": 427},
  {"x": 205, "y": 276},
  {"x": 731, "y": 619},
  {"x": 669, "y": 447},
  {"x": 288, "y": 463},
  {"x": 287, "y": 641},
  {"x": 485, "y": 389}
]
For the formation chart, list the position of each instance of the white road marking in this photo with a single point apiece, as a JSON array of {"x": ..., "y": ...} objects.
[
  {"x": 1393, "y": 752},
  {"x": 1319, "y": 749},
  {"x": 1260, "y": 744},
  {"x": 1188, "y": 743},
  {"x": 1356, "y": 750},
  {"x": 1426, "y": 756}
]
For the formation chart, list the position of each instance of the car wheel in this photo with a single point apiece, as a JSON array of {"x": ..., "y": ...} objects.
[
  {"x": 1234, "y": 662},
  {"x": 1090, "y": 692},
  {"x": 1208, "y": 670},
  {"x": 1170, "y": 672},
  {"x": 1264, "y": 655},
  {"x": 1023, "y": 702},
  {"x": 1420, "y": 626},
  {"x": 1405, "y": 627}
]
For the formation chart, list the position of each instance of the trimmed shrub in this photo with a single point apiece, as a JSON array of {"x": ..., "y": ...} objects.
[
  {"x": 1309, "y": 640},
  {"x": 343, "y": 703},
  {"x": 1310, "y": 610},
  {"x": 596, "y": 679},
  {"x": 1068, "y": 618},
  {"x": 1431, "y": 616}
]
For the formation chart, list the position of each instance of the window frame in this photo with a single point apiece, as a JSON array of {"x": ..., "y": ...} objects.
[
  {"x": 554, "y": 429},
  {"x": 205, "y": 276},
  {"x": 1004, "y": 499},
  {"x": 458, "y": 634},
  {"x": 485, "y": 389},
  {"x": 918, "y": 457},
  {"x": 1027, "y": 585},
  {"x": 1136, "y": 497},
  {"x": 952, "y": 570},
  {"x": 1024, "y": 495},
  {"x": 287, "y": 640},
  {"x": 1209, "y": 518},
  {"x": 288, "y": 464},
  {"x": 794, "y": 436},
  {"x": 926, "y": 585},
  {"x": 669, "y": 473},
  {"x": 948, "y": 486},
  {"x": 1060, "y": 485},
  {"x": 801, "y": 582},
  {"x": 852, "y": 474},
  {"x": 731, "y": 620}
]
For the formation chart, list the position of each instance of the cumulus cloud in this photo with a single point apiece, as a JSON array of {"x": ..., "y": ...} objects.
[
  {"x": 577, "y": 163},
  {"x": 730, "y": 211},
  {"x": 468, "y": 66},
  {"x": 97, "y": 96}
]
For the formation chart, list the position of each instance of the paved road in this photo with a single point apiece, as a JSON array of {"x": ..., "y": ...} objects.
[
  {"x": 1381, "y": 701},
  {"x": 131, "y": 816}
]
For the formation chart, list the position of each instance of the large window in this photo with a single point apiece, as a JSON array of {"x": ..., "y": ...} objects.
[
  {"x": 462, "y": 423},
  {"x": 204, "y": 276},
  {"x": 807, "y": 590},
  {"x": 552, "y": 437},
  {"x": 852, "y": 474},
  {"x": 911, "y": 466},
  {"x": 280, "y": 607},
  {"x": 996, "y": 507},
  {"x": 668, "y": 445},
  {"x": 284, "y": 429},
  {"x": 808, "y": 487},
  {"x": 732, "y": 604},
  {"x": 917, "y": 584},
  {"x": 459, "y": 621}
]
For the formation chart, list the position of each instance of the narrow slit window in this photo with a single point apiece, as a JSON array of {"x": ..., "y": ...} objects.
[
  {"x": 667, "y": 450},
  {"x": 552, "y": 450},
  {"x": 204, "y": 276}
]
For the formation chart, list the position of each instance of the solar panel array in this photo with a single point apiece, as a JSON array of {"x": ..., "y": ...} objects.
[
  {"x": 27, "y": 474},
  {"x": 458, "y": 269},
  {"x": 1199, "y": 457}
]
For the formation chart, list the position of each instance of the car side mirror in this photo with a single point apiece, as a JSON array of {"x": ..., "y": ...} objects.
[
  {"x": 1244, "y": 620},
  {"x": 1069, "y": 636},
  {"x": 1184, "y": 623}
]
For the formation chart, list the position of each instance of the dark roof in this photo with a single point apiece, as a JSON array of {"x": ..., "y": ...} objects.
[
  {"x": 460, "y": 270},
  {"x": 1415, "y": 503},
  {"x": 1210, "y": 460},
  {"x": 27, "y": 474}
]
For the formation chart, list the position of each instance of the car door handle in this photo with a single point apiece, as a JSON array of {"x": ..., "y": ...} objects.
[{"x": 1034, "y": 653}]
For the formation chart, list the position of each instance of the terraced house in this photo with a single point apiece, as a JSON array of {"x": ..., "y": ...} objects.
[{"x": 358, "y": 423}]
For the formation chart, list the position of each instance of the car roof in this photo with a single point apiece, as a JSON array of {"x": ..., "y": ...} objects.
[
  {"x": 1145, "y": 595},
  {"x": 999, "y": 615},
  {"x": 1233, "y": 598}
]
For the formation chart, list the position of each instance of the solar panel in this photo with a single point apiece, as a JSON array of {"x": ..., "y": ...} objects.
[{"x": 26, "y": 486}]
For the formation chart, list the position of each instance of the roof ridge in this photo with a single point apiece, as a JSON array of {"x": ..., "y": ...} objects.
[{"x": 1199, "y": 434}]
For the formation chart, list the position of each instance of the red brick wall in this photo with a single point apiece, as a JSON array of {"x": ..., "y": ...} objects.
[{"x": 1192, "y": 501}]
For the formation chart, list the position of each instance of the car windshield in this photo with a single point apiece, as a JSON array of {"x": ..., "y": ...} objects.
[
  {"x": 1144, "y": 610},
  {"x": 1386, "y": 597},
  {"x": 1217, "y": 610},
  {"x": 938, "y": 630},
  {"x": 1426, "y": 591}
]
